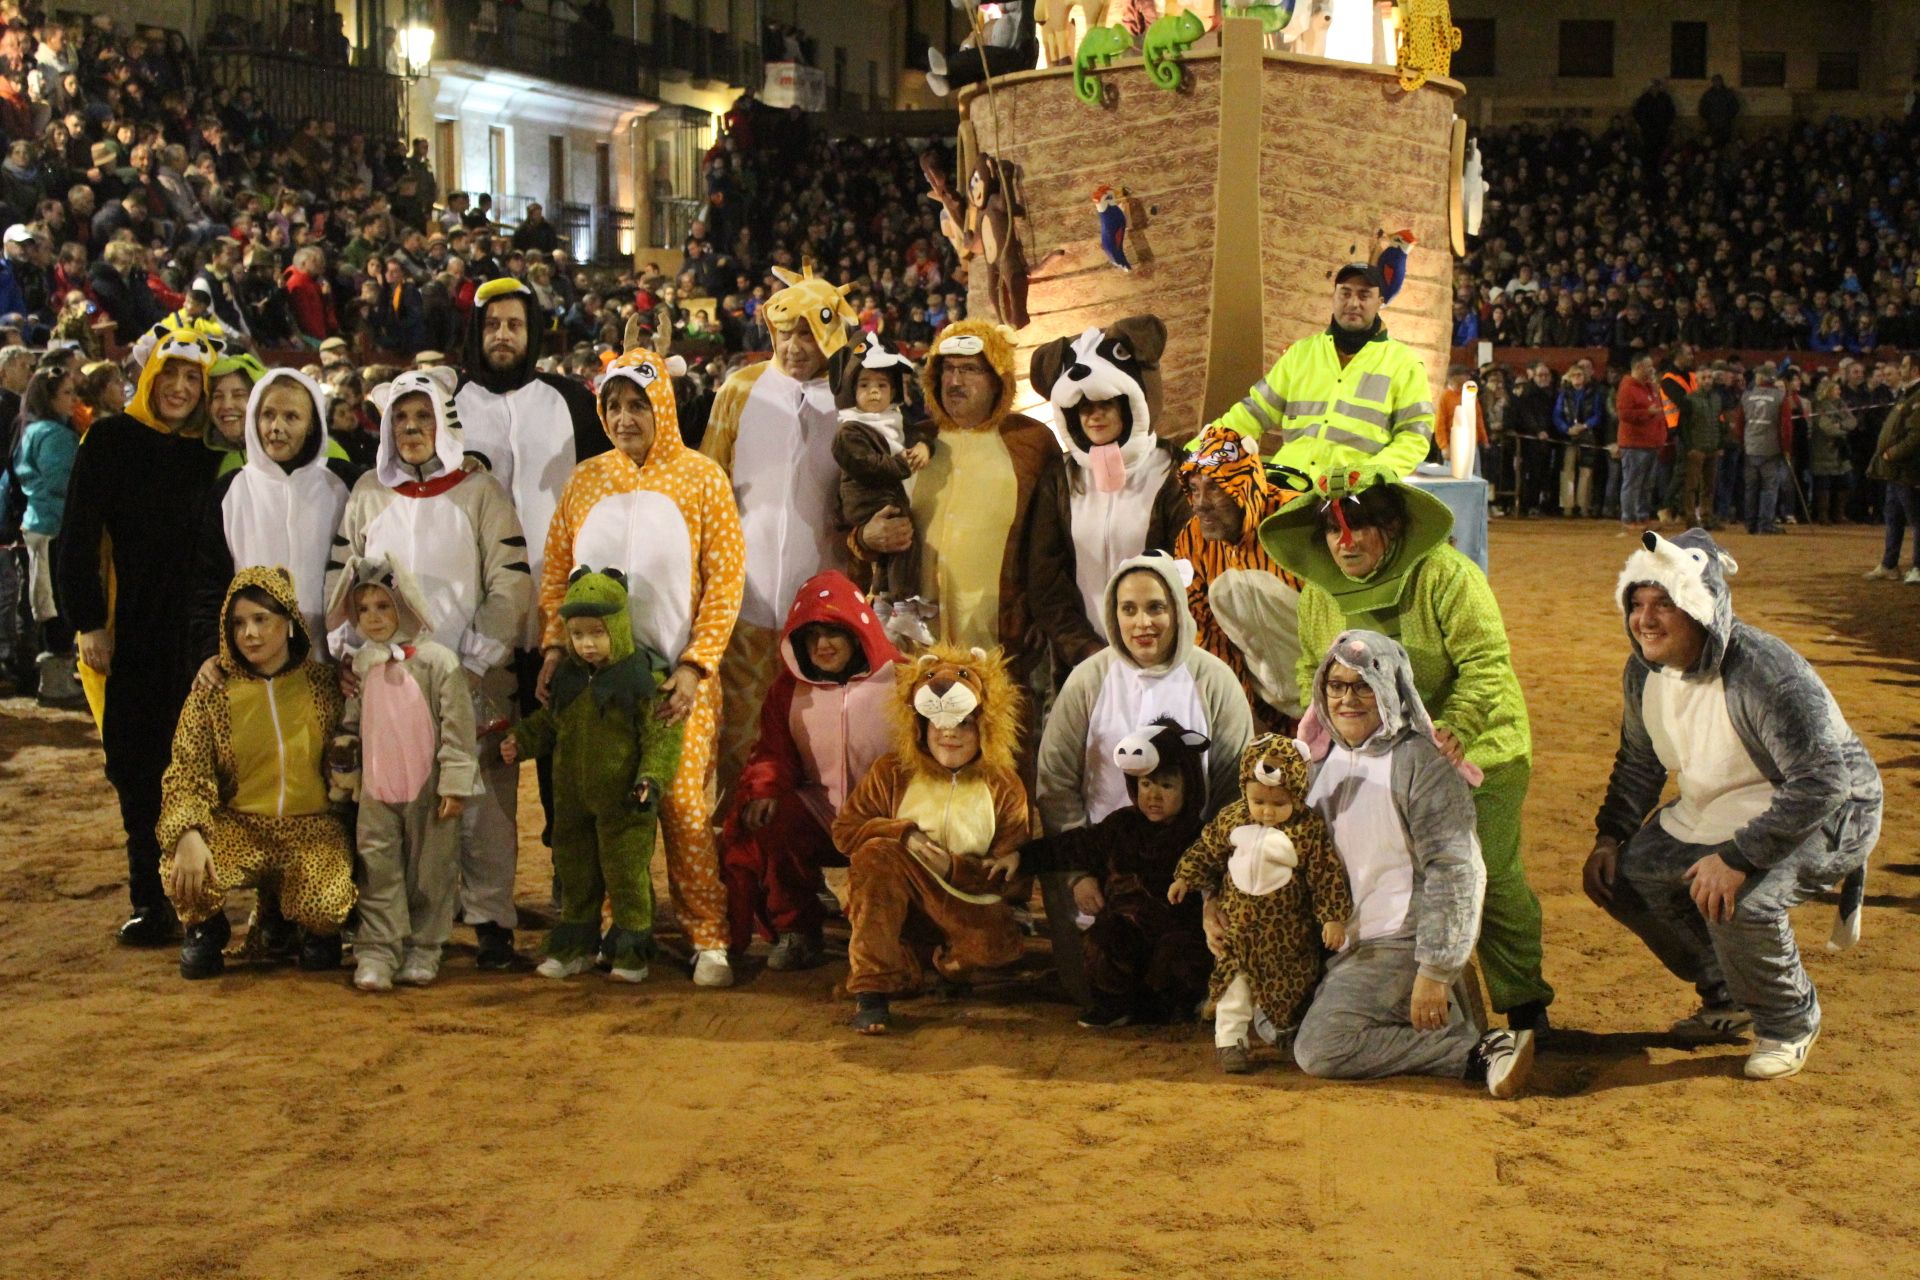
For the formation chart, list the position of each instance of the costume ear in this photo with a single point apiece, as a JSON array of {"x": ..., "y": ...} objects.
[
  {"x": 676, "y": 366},
  {"x": 578, "y": 574},
  {"x": 1728, "y": 565},
  {"x": 927, "y": 659},
  {"x": 1048, "y": 359},
  {"x": 1146, "y": 337},
  {"x": 979, "y": 653},
  {"x": 787, "y": 277},
  {"x": 1197, "y": 741}
]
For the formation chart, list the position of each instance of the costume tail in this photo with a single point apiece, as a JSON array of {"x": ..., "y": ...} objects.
[{"x": 1846, "y": 922}]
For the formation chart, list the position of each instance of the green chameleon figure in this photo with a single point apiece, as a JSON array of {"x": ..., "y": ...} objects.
[
  {"x": 1165, "y": 41},
  {"x": 1273, "y": 17},
  {"x": 1103, "y": 44}
]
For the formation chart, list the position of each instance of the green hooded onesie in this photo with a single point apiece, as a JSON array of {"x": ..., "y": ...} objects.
[
  {"x": 1439, "y": 606},
  {"x": 605, "y": 735}
]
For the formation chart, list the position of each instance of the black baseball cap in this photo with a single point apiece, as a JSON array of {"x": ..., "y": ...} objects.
[{"x": 1366, "y": 270}]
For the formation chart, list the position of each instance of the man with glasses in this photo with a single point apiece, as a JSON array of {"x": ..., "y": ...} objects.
[{"x": 1374, "y": 556}]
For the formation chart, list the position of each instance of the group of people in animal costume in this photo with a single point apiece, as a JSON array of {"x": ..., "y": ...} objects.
[{"x": 1278, "y": 780}]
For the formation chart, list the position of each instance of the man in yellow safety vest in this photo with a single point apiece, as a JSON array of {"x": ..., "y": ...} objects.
[{"x": 1348, "y": 397}]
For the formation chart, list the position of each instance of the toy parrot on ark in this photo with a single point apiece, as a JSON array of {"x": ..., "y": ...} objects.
[{"x": 1113, "y": 227}]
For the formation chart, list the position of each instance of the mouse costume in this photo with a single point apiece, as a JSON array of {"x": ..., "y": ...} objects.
[
  {"x": 414, "y": 720},
  {"x": 1276, "y": 886},
  {"x": 1110, "y": 501},
  {"x": 1439, "y": 606},
  {"x": 271, "y": 513},
  {"x": 456, "y": 534},
  {"x": 1771, "y": 778},
  {"x": 669, "y": 524},
  {"x": 1402, "y": 820}
]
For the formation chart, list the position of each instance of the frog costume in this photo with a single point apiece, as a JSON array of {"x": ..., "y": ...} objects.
[
  {"x": 606, "y": 737},
  {"x": 1439, "y": 606}
]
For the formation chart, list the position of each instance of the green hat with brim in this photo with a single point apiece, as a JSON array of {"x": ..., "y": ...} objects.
[{"x": 1293, "y": 539}]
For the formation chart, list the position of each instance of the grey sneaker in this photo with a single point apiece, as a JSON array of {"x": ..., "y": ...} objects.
[
  {"x": 796, "y": 951},
  {"x": 1234, "y": 1059},
  {"x": 1712, "y": 1023}
]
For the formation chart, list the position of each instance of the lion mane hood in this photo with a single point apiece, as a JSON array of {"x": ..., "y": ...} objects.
[
  {"x": 945, "y": 681},
  {"x": 970, "y": 338}
]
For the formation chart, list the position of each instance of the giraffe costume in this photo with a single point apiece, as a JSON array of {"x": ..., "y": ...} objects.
[{"x": 684, "y": 598}]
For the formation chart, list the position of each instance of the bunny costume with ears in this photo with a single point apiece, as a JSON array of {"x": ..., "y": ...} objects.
[{"x": 1111, "y": 501}]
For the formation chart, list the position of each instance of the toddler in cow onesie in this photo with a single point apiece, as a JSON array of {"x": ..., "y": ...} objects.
[
  {"x": 668, "y": 522},
  {"x": 456, "y": 535},
  {"x": 772, "y": 432},
  {"x": 883, "y": 442},
  {"x": 1777, "y": 800},
  {"x": 924, "y": 829},
  {"x": 613, "y": 755},
  {"x": 825, "y": 721},
  {"x": 414, "y": 718}
]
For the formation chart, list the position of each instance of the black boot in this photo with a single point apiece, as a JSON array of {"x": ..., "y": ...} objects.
[
  {"x": 318, "y": 953},
  {"x": 150, "y": 927},
  {"x": 200, "y": 954},
  {"x": 279, "y": 937},
  {"x": 496, "y": 951}
]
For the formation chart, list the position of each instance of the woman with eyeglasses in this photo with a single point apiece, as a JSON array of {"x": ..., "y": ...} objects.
[{"x": 1374, "y": 553}]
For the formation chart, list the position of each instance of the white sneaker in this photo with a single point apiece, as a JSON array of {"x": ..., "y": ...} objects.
[
  {"x": 1881, "y": 573},
  {"x": 417, "y": 969},
  {"x": 1778, "y": 1059},
  {"x": 1913, "y": 576},
  {"x": 628, "y": 975},
  {"x": 712, "y": 969},
  {"x": 1713, "y": 1022},
  {"x": 553, "y": 967},
  {"x": 372, "y": 975},
  {"x": 1509, "y": 1060}
]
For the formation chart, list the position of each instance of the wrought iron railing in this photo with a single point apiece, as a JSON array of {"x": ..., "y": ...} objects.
[{"x": 359, "y": 100}]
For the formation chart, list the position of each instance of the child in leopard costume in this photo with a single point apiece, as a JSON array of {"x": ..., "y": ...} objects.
[{"x": 1282, "y": 892}]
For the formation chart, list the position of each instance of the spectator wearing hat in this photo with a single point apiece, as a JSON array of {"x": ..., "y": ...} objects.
[
  {"x": 17, "y": 275},
  {"x": 333, "y": 354}
]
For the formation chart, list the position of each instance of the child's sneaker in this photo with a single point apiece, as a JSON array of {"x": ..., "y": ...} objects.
[
  {"x": 797, "y": 951},
  {"x": 373, "y": 975},
  {"x": 1504, "y": 1059},
  {"x": 1778, "y": 1059},
  {"x": 1234, "y": 1059},
  {"x": 554, "y": 967},
  {"x": 616, "y": 974},
  {"x": 417, "y": 969}
]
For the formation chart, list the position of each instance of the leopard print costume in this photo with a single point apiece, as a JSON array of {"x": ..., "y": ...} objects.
[
  {"x": 307, "y": 855},
  {"x": 1273, "y": 939},
  {"x": 1428, "y": 40}
]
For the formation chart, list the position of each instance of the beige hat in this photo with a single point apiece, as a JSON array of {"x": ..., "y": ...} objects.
[
  {"x": 428, "y": 359},
  {"x": 334, "y": 344}
]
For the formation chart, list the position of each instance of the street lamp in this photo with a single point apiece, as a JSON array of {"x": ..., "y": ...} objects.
[{"x": 416, "y": 46}]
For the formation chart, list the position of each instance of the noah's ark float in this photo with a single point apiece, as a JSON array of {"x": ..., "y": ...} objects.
[{"x": 1242, "y": 188}]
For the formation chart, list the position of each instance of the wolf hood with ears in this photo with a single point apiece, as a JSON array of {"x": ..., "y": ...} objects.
[{"x": 1826, "y": 799}]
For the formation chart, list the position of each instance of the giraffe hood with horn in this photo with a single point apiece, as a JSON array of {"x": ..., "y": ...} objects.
[{"x": 771, "y": 431}]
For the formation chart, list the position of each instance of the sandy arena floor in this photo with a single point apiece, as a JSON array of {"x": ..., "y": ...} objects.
[{"x": 276, "y": 1124}]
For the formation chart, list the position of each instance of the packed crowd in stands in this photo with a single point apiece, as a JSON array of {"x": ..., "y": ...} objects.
[{"x": 1637, "y": 237}]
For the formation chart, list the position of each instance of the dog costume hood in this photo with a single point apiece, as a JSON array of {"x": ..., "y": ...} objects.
[{"x": 1693, "y": 570}]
